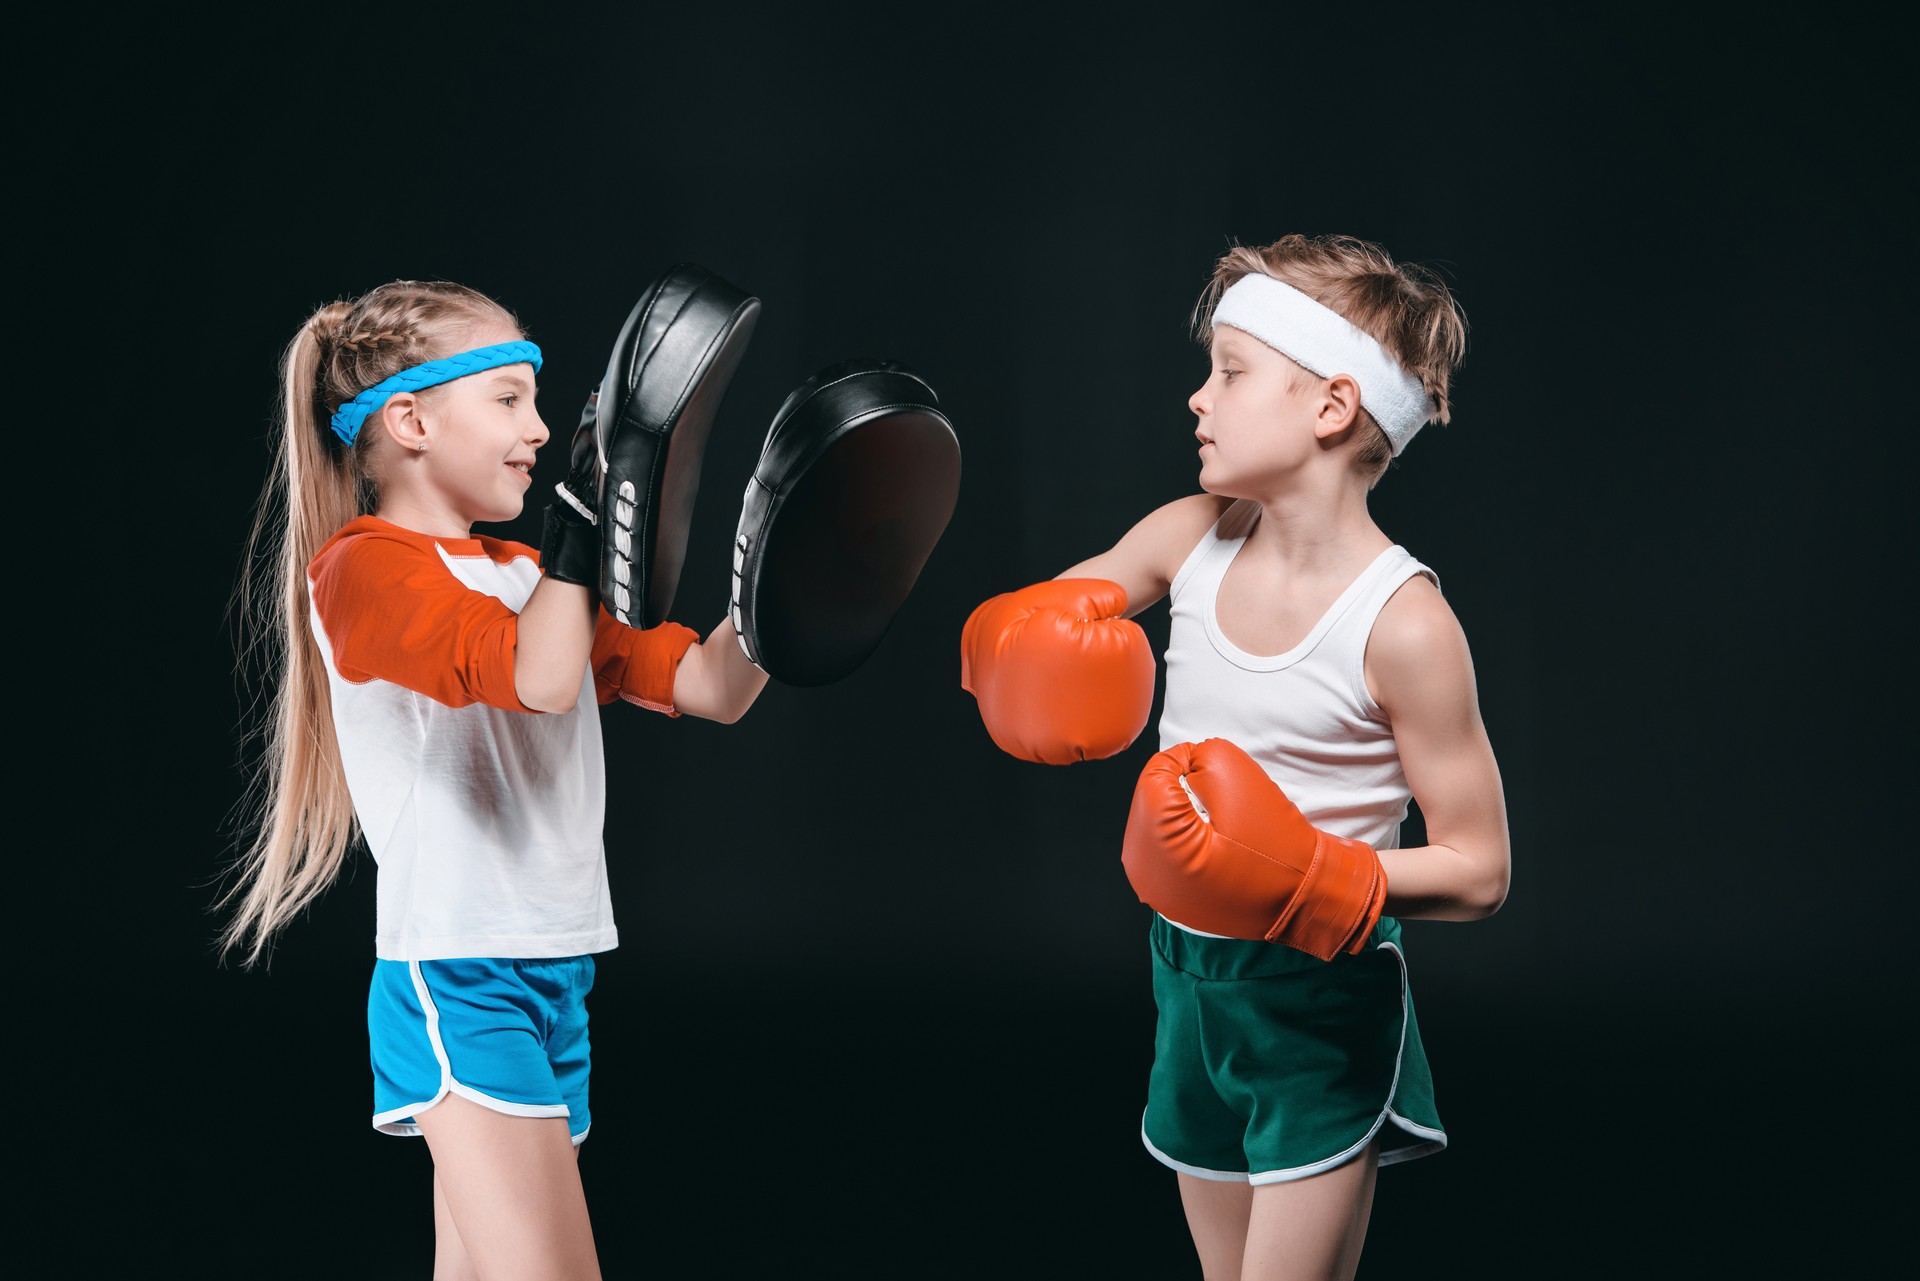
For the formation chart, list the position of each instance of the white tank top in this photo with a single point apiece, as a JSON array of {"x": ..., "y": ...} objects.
[{"x": 1304, "y": 715}]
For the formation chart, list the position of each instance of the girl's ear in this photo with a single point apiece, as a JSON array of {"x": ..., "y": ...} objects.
[
  {"x": 1338, "y": 408},
  {"x": 400, "y": 418}
]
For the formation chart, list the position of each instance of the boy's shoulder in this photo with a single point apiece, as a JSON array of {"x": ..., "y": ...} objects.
[
  {"x": 1178, "y": 525},
  {"x": 1166, "y": 536},
  {"x": 1202, "y": 508},
  {"x": 1414, "y": 629}
]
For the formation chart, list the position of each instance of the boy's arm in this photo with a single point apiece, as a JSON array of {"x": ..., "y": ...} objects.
[
  {"x": 1058, "y": 668},
  {"x": 1148, "y": 556},
  {"x": 1420, "y": 672}
]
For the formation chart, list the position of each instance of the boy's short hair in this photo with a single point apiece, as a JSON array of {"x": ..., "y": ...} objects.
[{"x": 1407, "y": 308}]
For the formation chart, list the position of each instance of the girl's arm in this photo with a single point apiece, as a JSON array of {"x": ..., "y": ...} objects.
[
  {"x": 553, "y": 642},
  {"x": 715, "y": 681}
]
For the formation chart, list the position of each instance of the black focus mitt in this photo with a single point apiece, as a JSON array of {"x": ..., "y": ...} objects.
[{"x": 855, "y": 484}]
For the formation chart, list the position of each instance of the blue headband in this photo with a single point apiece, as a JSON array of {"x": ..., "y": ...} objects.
[{"x": 348, "y": 417}]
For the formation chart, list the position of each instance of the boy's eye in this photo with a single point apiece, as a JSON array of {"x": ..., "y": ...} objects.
[
  {"x": 508, "y": 401},
  {"x": 1229, "y": 374}
]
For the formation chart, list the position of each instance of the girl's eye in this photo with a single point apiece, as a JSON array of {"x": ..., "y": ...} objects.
[
  {"x": 1229, "y": 374},
  {"x": 508, "y": 401}
]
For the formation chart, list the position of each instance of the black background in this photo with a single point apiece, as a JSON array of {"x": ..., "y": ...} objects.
[{"x": 880, "y": 1007}]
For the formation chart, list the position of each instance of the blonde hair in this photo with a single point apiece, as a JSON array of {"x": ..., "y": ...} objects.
[
  {"x": 296, "y": 821},
  {"x": 1406, "y": 307}
]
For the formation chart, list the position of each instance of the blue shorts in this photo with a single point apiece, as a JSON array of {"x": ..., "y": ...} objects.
[{"x": 510, "y": 1035}]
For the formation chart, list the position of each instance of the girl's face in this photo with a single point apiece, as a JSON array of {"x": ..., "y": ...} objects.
[
  {"x": 1253, "y": 416},
  {"x": 481, "y": 433}
]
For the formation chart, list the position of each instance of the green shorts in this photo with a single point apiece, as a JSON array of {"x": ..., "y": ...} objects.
[{"x": 1271, "y": 1065}]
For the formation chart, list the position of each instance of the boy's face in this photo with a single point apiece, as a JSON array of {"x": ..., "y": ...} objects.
[{"x": 1254, "y": 415}]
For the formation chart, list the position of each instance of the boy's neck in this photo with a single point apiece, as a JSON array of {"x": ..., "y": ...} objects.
[{"x": 1308, "y": 533}]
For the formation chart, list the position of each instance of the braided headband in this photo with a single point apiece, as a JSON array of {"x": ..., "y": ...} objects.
[
  {"x": 348, "y": 417},
  {"x": 1326, "y": 342}
]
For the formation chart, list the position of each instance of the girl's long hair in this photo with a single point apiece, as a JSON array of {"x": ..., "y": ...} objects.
[{"x": 295, "y": 824}]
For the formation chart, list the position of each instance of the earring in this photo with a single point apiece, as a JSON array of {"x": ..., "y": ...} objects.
[{"x": 423, "y": 446}]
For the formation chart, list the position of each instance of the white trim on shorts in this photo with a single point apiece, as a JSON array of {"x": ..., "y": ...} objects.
[
  {"x": 1436, "y": 1139},
  {"x": 390, "y": 1122}
]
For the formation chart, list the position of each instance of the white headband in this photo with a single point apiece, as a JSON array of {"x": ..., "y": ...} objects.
[{"x": 1326, "y": 342}]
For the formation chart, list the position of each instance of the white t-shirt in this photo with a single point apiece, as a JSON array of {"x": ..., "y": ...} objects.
[{"x": 485, "y": 817}]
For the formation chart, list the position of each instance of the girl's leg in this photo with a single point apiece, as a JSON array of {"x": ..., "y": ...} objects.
[
  {"x": 451, "y": 1262},
  {"x": 1311, "y": 1229},
  {"x": 1217, "y": 1217},
  {"x": 511, "y": 1185}
]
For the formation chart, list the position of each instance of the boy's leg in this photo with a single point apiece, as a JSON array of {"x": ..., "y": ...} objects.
[
  {"x": 1312, "y": 1229},
  {"x": 1217, "y": 1217},
  {"x": 512, "y": 1190}
]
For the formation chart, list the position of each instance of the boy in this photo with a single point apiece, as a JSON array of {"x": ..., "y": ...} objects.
[{"x": 1316, "y": 683}]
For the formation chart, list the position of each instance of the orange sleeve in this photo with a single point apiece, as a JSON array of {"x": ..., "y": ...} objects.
[
  {"x": 638, "y": 665},
  {"x": 394, "y": 613}
]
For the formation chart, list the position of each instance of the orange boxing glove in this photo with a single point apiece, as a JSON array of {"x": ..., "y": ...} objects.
[
  {"x": 1060, "y": 673},
  {"x": 1214, "y": 844}
]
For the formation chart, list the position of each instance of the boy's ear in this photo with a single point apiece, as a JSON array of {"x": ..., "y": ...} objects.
[
  {"x": 1339, "y": 406},
  {"x": 400, "y": 420}
]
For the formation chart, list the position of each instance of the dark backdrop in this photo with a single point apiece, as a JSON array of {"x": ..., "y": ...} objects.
[{"x": 880, "y": 1007}]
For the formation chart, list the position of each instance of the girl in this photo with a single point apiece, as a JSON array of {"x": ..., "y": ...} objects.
[{"x": 437, "y": 696}]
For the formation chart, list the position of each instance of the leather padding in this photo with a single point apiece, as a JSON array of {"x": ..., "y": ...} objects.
[
  {"x": 669, "y": 370},
  {"x": 856, "y": 482}
]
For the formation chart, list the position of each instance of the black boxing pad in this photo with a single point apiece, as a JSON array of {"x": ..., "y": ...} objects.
[
  {"x": 855, "y": 485},
  {"x": 655, "y": 407}
]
